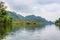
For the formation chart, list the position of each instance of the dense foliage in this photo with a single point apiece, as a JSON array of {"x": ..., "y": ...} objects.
[
  {"x": 4, "y": 18},
  {"x": 57, "y": 22}
]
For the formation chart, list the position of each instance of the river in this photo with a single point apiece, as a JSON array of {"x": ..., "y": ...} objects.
[{"x": 48, "y": 32}]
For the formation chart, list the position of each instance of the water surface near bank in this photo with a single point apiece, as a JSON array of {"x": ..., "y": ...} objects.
[{"x": 48, "y": 32}]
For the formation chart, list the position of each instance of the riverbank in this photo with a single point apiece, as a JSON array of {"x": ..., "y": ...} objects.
[{"x": 58, "y": 24}]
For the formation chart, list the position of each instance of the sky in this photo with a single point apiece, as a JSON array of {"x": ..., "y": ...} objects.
[{"x": 48, "y": 9}]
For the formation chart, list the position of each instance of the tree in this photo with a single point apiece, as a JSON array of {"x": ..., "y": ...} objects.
[
  {"x": 4, "y": 13},
  {"x": 2, "y": 5},
  {"x": 57, "y": 22}
]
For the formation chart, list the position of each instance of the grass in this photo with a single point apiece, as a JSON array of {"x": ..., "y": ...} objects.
[{"x": 26, "y": 23}]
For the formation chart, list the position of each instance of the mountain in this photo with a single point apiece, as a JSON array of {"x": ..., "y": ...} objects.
[
  {"x": 38, "y": 19},
  {"x": 16, "y": 16},
  {"x": 28, "y": 18}
]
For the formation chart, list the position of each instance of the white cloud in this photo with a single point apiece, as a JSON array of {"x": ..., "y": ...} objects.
[{"x": 49, "y": 9}]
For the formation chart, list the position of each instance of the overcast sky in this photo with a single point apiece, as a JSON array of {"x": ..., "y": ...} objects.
[{"x": 49, "y": 9}]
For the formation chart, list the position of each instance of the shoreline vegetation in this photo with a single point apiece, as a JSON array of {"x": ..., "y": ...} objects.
[
  {"x": 57, "y": 22},
  {"x": 26, "y": 23}
]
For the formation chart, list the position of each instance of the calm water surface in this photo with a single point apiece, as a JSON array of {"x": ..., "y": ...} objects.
[{"x": 49, "y": 32}]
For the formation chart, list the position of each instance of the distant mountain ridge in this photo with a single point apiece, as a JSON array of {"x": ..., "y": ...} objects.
[
  {"x": 28, "y": 18},
  {"x": 37, "y": 18},
  {"x": 15, "y": 16}
]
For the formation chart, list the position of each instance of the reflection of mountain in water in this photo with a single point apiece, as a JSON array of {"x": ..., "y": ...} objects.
[
  {"x": 58, "y": 26},
  {"x": 34, "y": 27},
  {"x": 27, "y": 27}
]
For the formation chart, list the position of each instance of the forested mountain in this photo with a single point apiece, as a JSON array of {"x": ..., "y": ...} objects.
[
  {"x": 38, "y": 19},
  {"x": 28, "y": 18},
  {"x": 15, "y": 16}
]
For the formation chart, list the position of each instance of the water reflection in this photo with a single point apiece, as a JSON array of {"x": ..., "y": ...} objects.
[
  {"x": 27, "y": 27},
  {"x": 49, "y": 32},
  {"x": 58, "y": 26},
  {"x": 32, "y": 32},
  {"x": 4, "y": 30},
  {"x": 23, "y": 30}
]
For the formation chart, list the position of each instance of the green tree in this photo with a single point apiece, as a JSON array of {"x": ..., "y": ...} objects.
[
  {"x": 4, "y": 14},
  {"x": 57, "y": 22}
]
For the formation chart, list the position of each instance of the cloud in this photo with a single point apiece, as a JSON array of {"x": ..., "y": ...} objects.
[
  {"x": 49, "y": 9},
  {"x": 26, "y": 5}
]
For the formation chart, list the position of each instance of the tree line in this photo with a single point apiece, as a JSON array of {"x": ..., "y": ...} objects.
[{"x": 57, "y": 22}]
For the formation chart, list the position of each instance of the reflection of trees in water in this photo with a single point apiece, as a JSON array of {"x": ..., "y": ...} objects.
[
  {"x": 58, "y": 26},
  {"x": 34, "y": 27},
  {"x": 4, "y": 29},
  {"x": 28, "y": 27}
]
